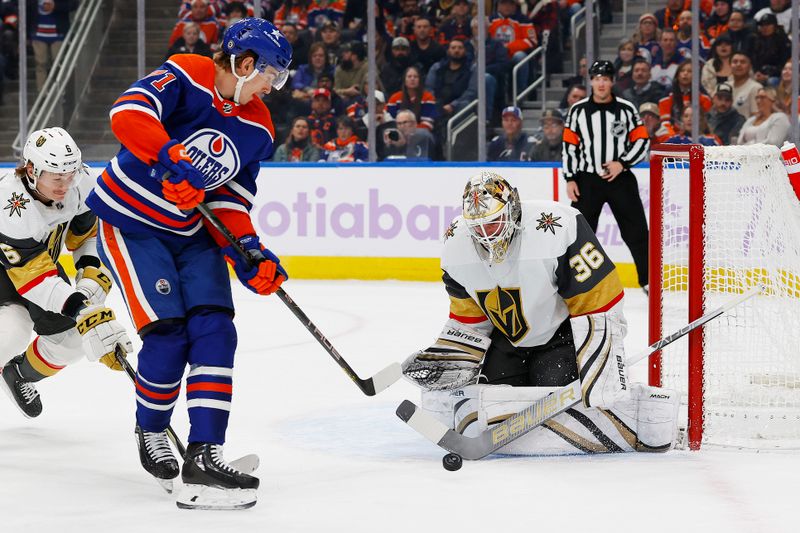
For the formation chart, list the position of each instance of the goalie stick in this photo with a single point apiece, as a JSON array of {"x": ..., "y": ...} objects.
[
  {"x": 369, "y": 386},
  {"x": 542, "y": 410},
  {"x": 247, "y": 463}
]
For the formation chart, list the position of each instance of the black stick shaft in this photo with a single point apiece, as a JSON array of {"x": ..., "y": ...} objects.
[
  {"x": 122, "y": 360},
  {"x": 366, "y": 387}
]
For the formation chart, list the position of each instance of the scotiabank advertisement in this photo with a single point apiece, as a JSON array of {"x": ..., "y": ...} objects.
[{"x": 391, "y": 211}]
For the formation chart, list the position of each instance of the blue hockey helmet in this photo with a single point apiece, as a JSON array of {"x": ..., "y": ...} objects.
[{"x": 265, "y": 40}]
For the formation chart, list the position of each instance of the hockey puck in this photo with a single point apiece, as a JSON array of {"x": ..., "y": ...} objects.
[{"x": 452, "y": 462}]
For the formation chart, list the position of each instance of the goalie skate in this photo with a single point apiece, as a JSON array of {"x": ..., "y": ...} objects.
[{"x": 212, "y": 484}]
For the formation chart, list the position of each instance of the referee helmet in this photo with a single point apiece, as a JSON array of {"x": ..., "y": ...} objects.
[{"x": 602, "y": 68}]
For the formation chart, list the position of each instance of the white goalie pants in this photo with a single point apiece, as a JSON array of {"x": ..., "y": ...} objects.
[{"x": 645, "y": 423}]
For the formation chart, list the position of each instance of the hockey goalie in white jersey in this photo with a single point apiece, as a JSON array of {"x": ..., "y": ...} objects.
[
  {"x": 535, "y": 304},
  {"x": 44, "y": 210}
]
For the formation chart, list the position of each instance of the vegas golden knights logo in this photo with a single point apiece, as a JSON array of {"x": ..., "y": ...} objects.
[{"x": 504, "y": 309}]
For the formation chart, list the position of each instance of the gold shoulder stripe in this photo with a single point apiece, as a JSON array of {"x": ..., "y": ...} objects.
[
  {"x": 74, "y": 241},
  {"x": 598, "y": 297},
  {"x": 466, "y": 307},
  {"x": 36, "y": 267}
]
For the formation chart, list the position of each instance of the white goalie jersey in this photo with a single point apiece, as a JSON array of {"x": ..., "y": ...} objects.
[
  {"x": 555, "y": 268},
  {"x": 32, "y": 235}
]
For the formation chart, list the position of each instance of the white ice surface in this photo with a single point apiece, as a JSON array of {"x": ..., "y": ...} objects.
[{"x": 334, "y": 460}]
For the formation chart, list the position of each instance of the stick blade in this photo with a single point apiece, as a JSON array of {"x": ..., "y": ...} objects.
[
  {"x": 423, "y": 423},
  {"x": 384, "y": 379}
]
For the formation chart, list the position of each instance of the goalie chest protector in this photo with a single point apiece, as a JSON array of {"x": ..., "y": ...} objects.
[{"x": 519, "y": 295}]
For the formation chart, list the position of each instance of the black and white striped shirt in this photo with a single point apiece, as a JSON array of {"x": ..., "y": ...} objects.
[{"x": 599, "y": 133}]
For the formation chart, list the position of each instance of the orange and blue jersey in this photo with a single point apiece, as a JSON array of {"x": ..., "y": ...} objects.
[
  {"x": 322, "y": 11},
  {"x": 225, "y": 141},
  {"x": 427, "y": 108}
]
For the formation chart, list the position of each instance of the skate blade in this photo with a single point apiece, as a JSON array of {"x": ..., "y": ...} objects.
[
  {"x": 203, "y": 497},
  {"x": 166, "y": 484},
  {"x": 7, "y": 390},
  {"x": 246, "y": 464}
]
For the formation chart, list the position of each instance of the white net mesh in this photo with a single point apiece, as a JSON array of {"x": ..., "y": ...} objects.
[{"x": 751, "y": 355}]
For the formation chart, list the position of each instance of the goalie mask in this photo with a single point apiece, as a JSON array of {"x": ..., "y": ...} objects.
[
  {"x": 52, "y": 150},
  {"x": 492, "y": 213}
]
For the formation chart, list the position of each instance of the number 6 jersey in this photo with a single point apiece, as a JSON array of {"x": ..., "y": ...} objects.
[
  {"x": 32, "y": 235},
  {"x": 555, "y": 268}
]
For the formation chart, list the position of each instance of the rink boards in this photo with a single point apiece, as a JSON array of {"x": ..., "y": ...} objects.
[{"x": 386, "y": 221}]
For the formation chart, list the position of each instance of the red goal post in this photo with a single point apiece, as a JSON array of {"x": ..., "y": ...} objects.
[{"x": 722, "y": 221}]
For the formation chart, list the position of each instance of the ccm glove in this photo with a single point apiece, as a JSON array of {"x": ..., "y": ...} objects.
[
  {"x": 266, "y": 273},
  {"x": 101, "y": 334},
  {"x": 184, "y": 185},
  {"x": 94, "y": 283}
]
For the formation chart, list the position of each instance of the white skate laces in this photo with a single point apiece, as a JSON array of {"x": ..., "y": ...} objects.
[
  {"x": 28, "y": 391},
  {"x": 157, "y": 446},
  {"x": 216, "y": 456}
]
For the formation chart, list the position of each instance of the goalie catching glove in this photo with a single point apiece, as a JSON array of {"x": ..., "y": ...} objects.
[
  {"x": 454, "y": 360},
  {"x": 101, "y": 334}
]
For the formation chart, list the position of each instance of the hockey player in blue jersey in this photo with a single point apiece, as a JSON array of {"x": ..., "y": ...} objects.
[{"x": 193, "y": 130}]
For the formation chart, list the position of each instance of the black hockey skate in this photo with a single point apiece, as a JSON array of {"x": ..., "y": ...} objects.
[
  {"x": 156, "y": 456},
  {"x": 21, "y": 391},
  {"x": 211, "y": 483}
]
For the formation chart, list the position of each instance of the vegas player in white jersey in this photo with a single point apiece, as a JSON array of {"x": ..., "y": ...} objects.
[
  {"x": 44, "y": 209},
  {"x": 535, "y": 304}
]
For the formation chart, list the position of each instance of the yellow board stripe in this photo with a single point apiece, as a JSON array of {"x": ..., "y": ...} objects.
[{"x": 371, "y": 268}]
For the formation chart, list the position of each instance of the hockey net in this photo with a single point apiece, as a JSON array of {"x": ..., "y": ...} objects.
[{"x": 724, "y": 220}]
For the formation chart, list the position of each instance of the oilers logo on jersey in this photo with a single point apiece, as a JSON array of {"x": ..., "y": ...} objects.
[{"x": 214, "y": 155}]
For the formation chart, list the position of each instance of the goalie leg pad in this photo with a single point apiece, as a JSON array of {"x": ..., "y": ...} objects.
[
  {"x": 656, "y": 417},
  {"x": 601, "y": 358},
  {"x": 453, "y": 361}
]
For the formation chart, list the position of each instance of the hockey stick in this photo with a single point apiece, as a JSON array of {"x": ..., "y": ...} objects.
[
  {"x": 369, "y": 386},
  {"x": 247, "y": 463},
  {"x": 119, "y": 354},
  {"x": 542, "y": 410}
]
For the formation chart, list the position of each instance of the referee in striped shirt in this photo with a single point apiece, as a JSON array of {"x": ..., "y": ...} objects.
[{"x": 603, "y": 138}]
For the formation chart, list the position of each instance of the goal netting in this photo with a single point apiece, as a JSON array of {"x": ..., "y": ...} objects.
[{"x": 724, "y": 220}]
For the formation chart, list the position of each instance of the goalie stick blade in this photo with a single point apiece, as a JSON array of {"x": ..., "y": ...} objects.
[
  {"x": 491, "y": 439},
  {"x": 382, "y": 380}
]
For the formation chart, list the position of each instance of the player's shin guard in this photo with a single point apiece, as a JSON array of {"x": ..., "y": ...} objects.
[
  {"x": 209, "y": 386},
  {"x": 162, "y": 360}
]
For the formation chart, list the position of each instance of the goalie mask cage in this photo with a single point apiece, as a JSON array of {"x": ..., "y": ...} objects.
[{"x": 722, "y": 221}]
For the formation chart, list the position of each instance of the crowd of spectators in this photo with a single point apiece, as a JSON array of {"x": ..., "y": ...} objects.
[
  {"x": 427, "y": 70},
  {"x": 745, "y": 77}
]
